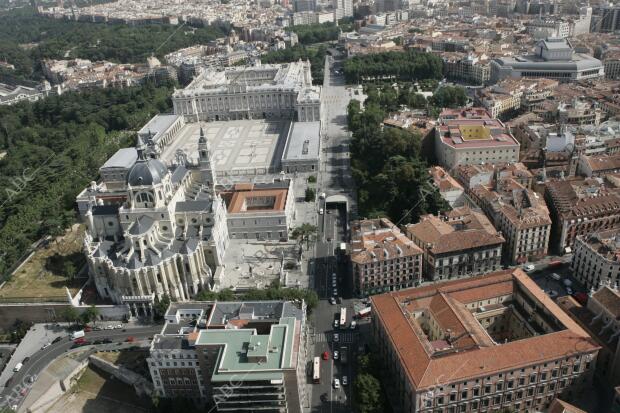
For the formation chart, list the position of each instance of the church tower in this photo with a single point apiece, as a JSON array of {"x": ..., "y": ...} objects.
[{"x": 207, "y": 167}]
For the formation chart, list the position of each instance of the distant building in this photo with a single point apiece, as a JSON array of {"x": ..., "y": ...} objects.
[
  {"x": 465, "y": 137},
  {"x": 553, "y": 58},
  {"x": 580, "y": 207},
  {"x": 382, "y": 257},
  {"x": 600, "y": 317},
  {"x": 282, "y": 91},
  {"x": 259, "y": 346},
  {"x": 11, "y": 94},
  {"x": 495, "y": 340},
  {"x": 457, "y": 244},
  {"x": 599, "y": 165},
  {"x": 304, "y": 5},
  {"x": 596, "y": 258}
]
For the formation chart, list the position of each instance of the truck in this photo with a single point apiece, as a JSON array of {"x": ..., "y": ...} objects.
[
  {"x": 77, "y": 334},
  {"x": 344, "y": 354}
]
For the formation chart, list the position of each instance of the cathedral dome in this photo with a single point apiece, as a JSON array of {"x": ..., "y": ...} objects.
[{"x": 146, "y": 171}]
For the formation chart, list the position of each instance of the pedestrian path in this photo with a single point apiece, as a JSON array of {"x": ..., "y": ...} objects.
[{"x": 345, "y": 337}]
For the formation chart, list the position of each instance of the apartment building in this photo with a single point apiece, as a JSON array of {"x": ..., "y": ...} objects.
[
  {"x": 600, "y": 317},
  {"x": 596, "y": 258},
  {"x": 511, "y": 95},
  {"x": 468, "y": 67},
  {"x": 449, "y": 188},
  {"x": 599, "y": 165},
  {"x": 472, "y": 137},
  {"x": 204, "y": 346},
  {"x": 457, "y": 244},
  {"x": 580, "y": 206},
  {"x": 504, "y": 193},
  {"x": 490, "y": 343},
  {"x": 382, "y": 257}
]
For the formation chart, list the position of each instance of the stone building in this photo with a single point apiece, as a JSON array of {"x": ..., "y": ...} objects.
[
  {"x": 494, "y": 342},
  {"x": 153, "y": 231},
  {"x": 457, "y": 244},
  {"x": 382, "y": 257},
  {"x": 282, "y": 91},
  {"x": 596, "y": 258}
]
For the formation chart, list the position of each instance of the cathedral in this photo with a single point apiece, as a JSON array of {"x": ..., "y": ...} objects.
[{"x": 154, "y": 230}]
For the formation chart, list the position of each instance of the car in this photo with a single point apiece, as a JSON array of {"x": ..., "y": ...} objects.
[
  {"x": 336, "y": 355},
  {"x": 80, "y": 340},
  {"x": 335, "y": 292},
  {"x": 106, "y": 341},
  {"x": 46, "y": 345},
  {"x": 98, "y": 342},
  {"x": 326, "y": 355},
  {"x": 334, "y": 283},
  {"x": 88, "y": 329},
  {"x": 336, "y": 384},
  {"x": 56, "y": 340},
  {"x": 345, "y": 380},
  {"x": 567, "y": 282},
  {"x": 329, "y": 211},
  {"x": 26, "y": 360},
  {"x": 552, "y": 293},
  {"x": 24, "y": 391},
  {"x": 97, "y": 329},
  {"x": 569, "y": 291},
  {"x": 529, "y": 268},
  {"x": 336, "y": 323},
  {"x": 556, "y": 276},
  {"x": 336, "y": 337},
  {"x": 339, "y": 300},
  {"x": 332, "y": 300},
  {"x": 32, "y": 379},
  {"x": 322, "y": 196},
  {"x": 130, "y": 339},
  {"x": 119, "y": 326},
  {"x": 109, "y": 327},
  {"x": 320, "y": 211},
  {"x": 329, "y": 239},
  {"x": 353, "y": 325}
]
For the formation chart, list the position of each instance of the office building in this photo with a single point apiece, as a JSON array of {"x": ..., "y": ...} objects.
[{"x": 259, "y": 346}]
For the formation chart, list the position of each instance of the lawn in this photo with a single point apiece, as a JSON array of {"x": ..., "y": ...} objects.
[{"x": 42, "y": 277}]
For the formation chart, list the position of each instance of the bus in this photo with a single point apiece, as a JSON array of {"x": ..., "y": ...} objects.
[
  {"x": 316, "y": 370},
  {"x": 343, "y": 317}
]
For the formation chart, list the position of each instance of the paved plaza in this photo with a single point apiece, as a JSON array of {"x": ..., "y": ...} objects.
[{"x": 240, "y": 147}]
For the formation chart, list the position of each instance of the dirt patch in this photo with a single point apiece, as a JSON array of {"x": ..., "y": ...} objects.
[{"x": 42, "y": 275}]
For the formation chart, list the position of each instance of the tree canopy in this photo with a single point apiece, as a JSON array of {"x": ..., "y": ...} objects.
[
  {"x": 404, "y": 66},
  {"x": 53, "y": 148},
  {"x": 316, "y": 33}
]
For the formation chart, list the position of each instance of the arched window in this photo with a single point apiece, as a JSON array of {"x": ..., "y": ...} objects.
[{"x": 145, "y": 199}]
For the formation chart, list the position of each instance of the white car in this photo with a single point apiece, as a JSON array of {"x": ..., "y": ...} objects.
[
  {"x": 345, "y": 380},
  {"x": 336, "y": 323},
  {"x": 336, "y": 354},
  {"x": 336, "y": 338},
  {"x": 46, "y": 345},
  {"x": 332, "y": 301},
  {"x": 529, "y": 268},
  {"x": 336, "y": 384},
  {"x": 353, "y": 325},
  {"x": 119, "y": 326},
  {"x": 109, "y": 327},
  {"x": 320, "y": 211}
]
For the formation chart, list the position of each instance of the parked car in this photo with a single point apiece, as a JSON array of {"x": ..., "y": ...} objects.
[
  {"x": 345, "y": 380},
  {"x": 26, "y": 360},
  {"x": 326, "y": 355},
  {"x": 46, "y": 345},
  {"x": 529, "y": 268},
  {"x": 106, "y": 341},
  {"x": 332, "y": 300},
  {"x": 353, "y": 325},
  {"x": 336, "y": 384},
  {"x": 56, "y": 340},
  {"x": 130, "y": 339},
  {"x": 336, "y": 354},
  {"x": 569, "y": 291},
  {"x": 336, "y": 337},
  {"x": 552, "y": 293},
  {"x": 336, "y": 323}
]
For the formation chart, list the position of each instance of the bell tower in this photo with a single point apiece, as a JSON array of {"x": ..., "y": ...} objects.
[{"x": 207, "y": 166}]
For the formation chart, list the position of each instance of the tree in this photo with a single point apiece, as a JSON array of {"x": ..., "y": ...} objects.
[
  {"x": 449, "y": 97},
  {"x": 310, "y": 194},
  {"x": 90, "y": 314},
  {"x": 70, "y": 314},
  {"x": 69, "y": 270},
  {"x": 304, "y": 232},
  {"x": 161, "y": 306},
  {"x": 368, "y": 393},
  {"x": 312, "y": 179}
]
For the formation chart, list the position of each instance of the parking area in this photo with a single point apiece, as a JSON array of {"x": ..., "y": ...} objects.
[{"x": 557, "y": 281}]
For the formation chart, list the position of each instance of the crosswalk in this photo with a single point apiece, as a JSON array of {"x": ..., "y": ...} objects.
[{"x": 345, "y": 337}]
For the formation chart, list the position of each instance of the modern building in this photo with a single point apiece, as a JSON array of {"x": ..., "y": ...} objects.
[
  {"x": 580, "y": 206},
  {"x": 553, "y": 58},
  {"x": 465, "y": 137},
  {"x": 600, "y": 317},
  {"x": 382, "y": 257},
  {"x": 457, "y": 244},
  {"x": 494, "y": 342},
  {"x": 279, "y": 91},
  {"x": 596, "y": 258},
  {"x": 259, "y": 346},
  {"x": 303, "y": 148},
  {"x": 606, "y": 19}
]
